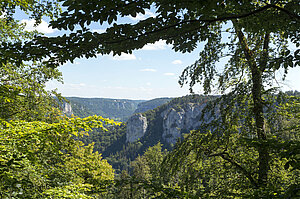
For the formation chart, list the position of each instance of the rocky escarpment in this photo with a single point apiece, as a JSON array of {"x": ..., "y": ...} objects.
[
  {"x": 175, "y": 119},
  {"x": 136, "y": 127},
  {"x": 67, "y": 109},
  {"x": 179, "y": 120}
]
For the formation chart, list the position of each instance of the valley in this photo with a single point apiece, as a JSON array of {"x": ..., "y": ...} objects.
[{"x": 161, "y": 120}]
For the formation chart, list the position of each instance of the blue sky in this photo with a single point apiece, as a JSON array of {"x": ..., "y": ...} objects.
[
  {"x": 148, "y": 73},
  {"x": 145, "y": 74}
]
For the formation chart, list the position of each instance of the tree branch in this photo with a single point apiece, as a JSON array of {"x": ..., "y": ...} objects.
[
  {"x": 291, "y": 14},
  {"x": 247, "y": 51},
  {"x": 226, "y": 157},
  {"x": 208, "y": 21},
  {"x": 264, "y": 57},
  {"x": 229, "y": 159}
]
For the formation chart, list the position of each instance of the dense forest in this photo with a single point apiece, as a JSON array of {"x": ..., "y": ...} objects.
[{"x": 246, "y": 147}]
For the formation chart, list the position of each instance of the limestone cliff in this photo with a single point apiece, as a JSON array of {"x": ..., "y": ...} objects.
[
  {"x": 67, "y": 109},
  {"x": 136, "y": 127},
  {"x": 168, "y": 122},
  {"x": 180, "y": 120}
]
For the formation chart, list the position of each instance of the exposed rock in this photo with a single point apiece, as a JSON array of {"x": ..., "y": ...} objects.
[
  {"x": 136, "y": 127},
  {"x": 176, "y": 120},
  {"x": 180, "y": 120},
  {"x": 67, "y": 109}
]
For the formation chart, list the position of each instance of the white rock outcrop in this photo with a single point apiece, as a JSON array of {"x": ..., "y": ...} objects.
[
  {"x": 181, "y": 119},
  {"x": 67, "y": 109},
  {"x": 136, "y": 127},
  {"x": 176, "y": 120}
]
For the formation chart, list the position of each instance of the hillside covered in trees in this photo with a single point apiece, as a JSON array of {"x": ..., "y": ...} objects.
[
  {"x": 116, "y": 109},
  {"x": 247, "y": 141}
]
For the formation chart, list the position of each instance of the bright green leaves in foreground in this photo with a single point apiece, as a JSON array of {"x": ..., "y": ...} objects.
[
  {"x": 90, "y": 168},
  {"x": 39, "y": 159}
]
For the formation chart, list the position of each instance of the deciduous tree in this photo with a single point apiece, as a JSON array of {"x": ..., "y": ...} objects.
[
  {"x": 22, "y": 86},
  {"x": 39, "y": 159}
]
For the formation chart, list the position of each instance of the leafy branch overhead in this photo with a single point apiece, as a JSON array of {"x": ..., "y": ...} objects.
[{"x": 181, "y": 23}]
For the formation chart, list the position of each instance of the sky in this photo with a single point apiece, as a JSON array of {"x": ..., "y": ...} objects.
[{"x": 148, "y": 73}]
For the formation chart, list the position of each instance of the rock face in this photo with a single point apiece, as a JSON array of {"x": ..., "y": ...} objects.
[
  {"x": 67, "y": 109},
  {"x": 180, "y": 120},
  {"x": 176, "y": 120},
  {"x": 136, "y": 127}
]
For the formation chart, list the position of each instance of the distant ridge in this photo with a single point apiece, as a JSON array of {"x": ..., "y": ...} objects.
[
  {"x": 151, "y": 104},
  {"x": 117, "y": 109}
]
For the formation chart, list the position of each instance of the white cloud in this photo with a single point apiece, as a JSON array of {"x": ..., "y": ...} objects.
[
  {"x": 99, "y": 30},
  {"x": 159, "y": 45},
  {"x": 76, "y": 86},
  {"x": 148, "y": 84},
  {"x": 43, "y": 27},
  {"x": 169, "y": 74},
  {"x": 148, "y": 70},
  {"x": 140, "y": 16},
  {"x": 177, "y": 61},
  {"x": 124, "y": 56}
]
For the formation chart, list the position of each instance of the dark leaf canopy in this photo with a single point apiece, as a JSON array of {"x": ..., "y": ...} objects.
[{"x": 181, "y": 23}]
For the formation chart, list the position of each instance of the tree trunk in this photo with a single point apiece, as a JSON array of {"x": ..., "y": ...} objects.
[
  {"x": 257, "y": 87},
  {"x": 259, "y": 124}
]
